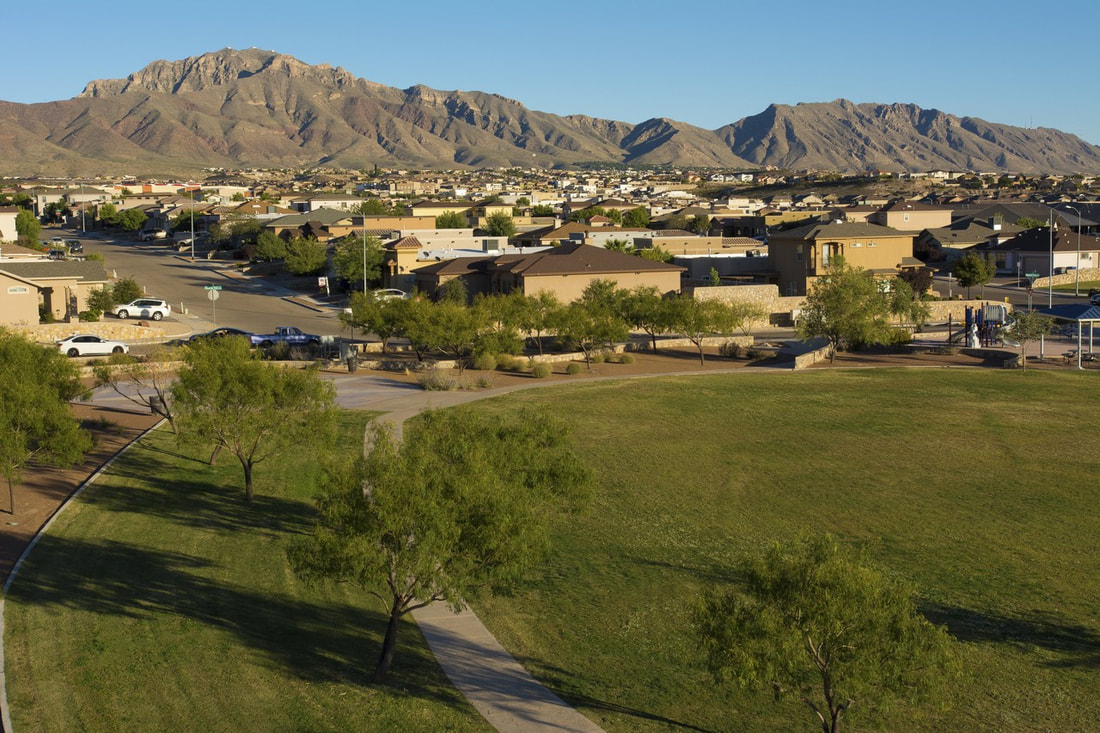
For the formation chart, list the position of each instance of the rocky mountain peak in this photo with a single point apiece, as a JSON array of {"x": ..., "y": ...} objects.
[{"x": 217, "y": 68}]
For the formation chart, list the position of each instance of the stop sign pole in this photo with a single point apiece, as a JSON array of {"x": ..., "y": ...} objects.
[{"x": 212, "y": 293}]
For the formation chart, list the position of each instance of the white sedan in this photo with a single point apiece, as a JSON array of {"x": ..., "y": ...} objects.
[{"x": 86, "y": 344}]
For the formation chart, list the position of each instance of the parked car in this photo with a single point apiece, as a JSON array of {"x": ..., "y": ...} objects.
[
  {"x": 57, "y": 241},
  {"x": 285, "y": 335},
  {"x": 86, "y": 344},
  {"x": 75, "y": 246},
  {"x": 150, "y": 234},
  {"x": 1094, "y": 299},
  {"x": 57, "y": 254},
  {"x": 389, "y": 294},
  {"x": 219, "y": 333},
  {"x": 144, "y": 308}
]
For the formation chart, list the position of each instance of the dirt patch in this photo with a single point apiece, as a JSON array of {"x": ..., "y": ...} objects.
[{"x": 44, "y": 489}]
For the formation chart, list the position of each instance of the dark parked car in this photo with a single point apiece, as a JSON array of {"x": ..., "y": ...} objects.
[
  {"x": 1094, "y": 299},
  {"x": 222, "y": 332}
]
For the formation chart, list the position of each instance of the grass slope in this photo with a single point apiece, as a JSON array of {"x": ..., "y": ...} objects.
[
  {"x": 978, "y": 486},
  {"x": 161, "y": 601}
]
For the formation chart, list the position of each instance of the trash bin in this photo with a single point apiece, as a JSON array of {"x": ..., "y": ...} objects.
[
  {"x": 353, "y": 363},
  {"x": 156, "y": 405}
]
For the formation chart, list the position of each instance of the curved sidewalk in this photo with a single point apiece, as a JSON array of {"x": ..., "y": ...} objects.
[{"x": 498, "y": 686}]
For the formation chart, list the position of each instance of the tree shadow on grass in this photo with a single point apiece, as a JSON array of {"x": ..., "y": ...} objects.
[
  {"x": 302, "y": 639},
  {"x": 1078, "y": 645},
  {"x": 199, "y": 501},
  {"x": 565, "y": 684}
]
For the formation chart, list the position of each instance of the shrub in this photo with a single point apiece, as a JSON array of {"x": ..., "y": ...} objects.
[
  {"x": 278, "y": 351},
  {"x": 90, "y": 315},
  {"x": 900, "y": 337},
  {"x": 45, "y": 315},
  {"x": 573, "y": 368},
  {"x": 540, "y": 370},
  {"x": 505, "y": 362},
  {"x": 757, "y": 354},
  {"x": 599, "y": 357},
  {"x": 485, "y": 382},
  {"x": 485, "y": 362},
  {"x": 732, "y": 350},
  {"x": 626, "y": 359},
  {"x": 437, "y": 380}
]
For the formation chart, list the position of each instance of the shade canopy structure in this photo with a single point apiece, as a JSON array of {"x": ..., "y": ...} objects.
[{"x": 1080, "y": 313}]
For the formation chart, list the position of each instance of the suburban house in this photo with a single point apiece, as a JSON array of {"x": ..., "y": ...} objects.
[
  {"x": 910, "y": 216},
  {"x": 409, "y": 250},
  {"x": 7, "y": 223},
  {"x": 951, "y": 242},
  {"x": 798, "y": 256},
  {"x": 1030, "y": 251},
  {"x": 342, "y": 201},
  {"x": 322, "y": 224},
  {"x": 564, "y": 271},
  {"x": 438, "y": 208},
  {"x": 62, "y": 287}
]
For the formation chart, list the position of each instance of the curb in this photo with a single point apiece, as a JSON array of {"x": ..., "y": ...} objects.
[{"x": 5, "y": 712}]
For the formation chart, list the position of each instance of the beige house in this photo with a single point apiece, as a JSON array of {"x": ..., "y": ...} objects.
[
  {"x": 910, "y": 216},
  {"x": 563, "y": 271},
  {"x": 61, "y": 287},
  {"x": 799, "y": 256},
  {"x": 18, "y": 300},
  {"x": 7, "y": 223}
]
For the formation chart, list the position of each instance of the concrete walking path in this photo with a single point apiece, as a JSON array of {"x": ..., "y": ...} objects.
[{"x": 498, "y": 686}]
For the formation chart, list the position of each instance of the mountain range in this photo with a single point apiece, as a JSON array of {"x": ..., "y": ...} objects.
[{"x": 261, "y": 109}]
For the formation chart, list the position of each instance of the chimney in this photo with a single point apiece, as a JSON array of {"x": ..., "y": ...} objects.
[{"x": 996, "y": 221}]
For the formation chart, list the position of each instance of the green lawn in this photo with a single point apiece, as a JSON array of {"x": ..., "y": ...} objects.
[
  {"x": 161, "y": 601},
  {"x": 1084, "y": 286},
  {"x": 977, "y": 486}
]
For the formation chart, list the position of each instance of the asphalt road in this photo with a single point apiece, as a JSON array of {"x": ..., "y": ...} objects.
[
  {"x": 246, "y": 303},
  {"x": 1009, "y": 287}
]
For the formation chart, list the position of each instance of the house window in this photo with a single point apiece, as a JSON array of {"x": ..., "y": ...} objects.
[
  {"x": 798, "y": 252},
  {"x": 856, "y": 244},
  {"x": 905, "y": 217},
  {"x": 872, "y": 244}
]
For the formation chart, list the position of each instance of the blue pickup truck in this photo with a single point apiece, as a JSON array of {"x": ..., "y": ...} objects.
[{"x": 285, "y": 335}]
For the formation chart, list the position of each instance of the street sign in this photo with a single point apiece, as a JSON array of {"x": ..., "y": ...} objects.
[
  {"x": 1031, "y": 277},
  {"x": 219, "y": 287},
  {"x": 212, "y": 294}
]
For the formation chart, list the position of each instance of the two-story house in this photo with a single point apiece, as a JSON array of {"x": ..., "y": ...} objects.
[{"x": 801, "y": 255}]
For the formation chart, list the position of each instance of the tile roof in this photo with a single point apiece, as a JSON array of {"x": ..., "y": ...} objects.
[
  {"x": 87, "y": 270},
  {"x": 818, "y": 230}
]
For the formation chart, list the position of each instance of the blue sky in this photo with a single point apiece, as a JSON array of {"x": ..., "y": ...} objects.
[{"x": 706, "y": 62}]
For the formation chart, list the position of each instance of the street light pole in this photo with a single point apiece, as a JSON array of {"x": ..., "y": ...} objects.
[
  {"x": 83, "y": 203},
  {"x": 192, "y": 226},
  {"x": 1050, "y": 266},
  {"x": 1077, "y": 270},
  {"x": 364, "y": 254}
]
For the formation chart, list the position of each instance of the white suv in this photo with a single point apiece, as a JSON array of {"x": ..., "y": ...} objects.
[{"x": 144, "y": 308}]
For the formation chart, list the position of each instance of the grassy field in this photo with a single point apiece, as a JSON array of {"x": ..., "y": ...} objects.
[
  {"x": 161, "y": 601},
  {"x": 977, "y": 486},
  {"x": 1084, "y": 287}
]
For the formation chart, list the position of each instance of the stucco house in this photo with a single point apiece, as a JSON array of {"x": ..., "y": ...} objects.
[
  {"x": 564, "y": 271},
  {"x": 7, "y": 223},
  {"x": 62, "y": 287},
  {"x": 910, "y": 216},
  {"x": 799, "y": 256}
]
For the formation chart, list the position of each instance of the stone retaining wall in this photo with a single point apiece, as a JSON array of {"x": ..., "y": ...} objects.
[
  {"x": 765, "y": 297},
  {"x": 939, "y": 310},
  {"x": 129, "y": 331},
  {"x": 1085, "y": 274}
]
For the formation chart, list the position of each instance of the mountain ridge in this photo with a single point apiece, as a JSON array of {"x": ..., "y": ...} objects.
[{"x": 255, "y": 108}]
